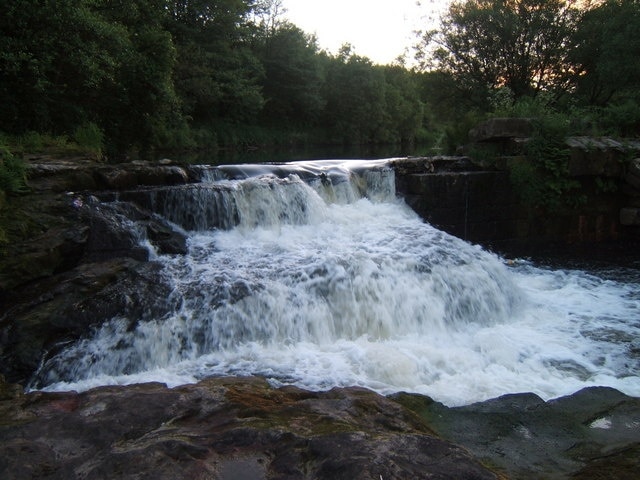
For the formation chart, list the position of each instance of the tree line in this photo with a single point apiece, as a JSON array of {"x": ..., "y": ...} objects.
[
  {"x": 185, "y": 74},
  {"x": 151, "y": 74},
  {"x": 576, "y": 60}
]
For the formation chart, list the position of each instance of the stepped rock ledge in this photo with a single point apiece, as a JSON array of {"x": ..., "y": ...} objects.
[{"x": 69, "y": 267}]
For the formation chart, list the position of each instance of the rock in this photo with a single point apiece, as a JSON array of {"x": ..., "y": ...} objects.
[
  {"x": 591, "y": 156},
  {"x": 633, "y": 173},
  {"x": 48, "y": 174},
  {"x": 47, "y": 314},
  {"x": 166, "y": 239},
  {"x": 527, "y": 438},
  {"x": 630, "y": 216},
  {"x": 439, "y": 164},
  {"x": 9, "y": 391},
  {"x": 112, "y": 235},
  {"x": 223, "y": 429},
  {"x": 498, "y": 129},
  {"x": 476, "y": 206},
  {"x": 52, "y": 233},
  {"x": 113, "y": 178},
  {"x": 119, "y": 226},
  {"x": 126, "y": 177},
  {"x": 175, "y": 175},
  {"x": 410, "y": 166},
  {"x": 70, "y": 264},
  {"x": 46, "y": 235}
]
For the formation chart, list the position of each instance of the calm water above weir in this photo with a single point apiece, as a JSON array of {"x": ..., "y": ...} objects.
[{"x": 315, "y": 274}]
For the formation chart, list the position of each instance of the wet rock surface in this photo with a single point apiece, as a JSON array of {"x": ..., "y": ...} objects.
[
  {"x": 222, "y": 429},
  {"x": 73, "y": 263},
  {"x": 594, "y": 433},
  {"x": 44, "y": 316},
  {"x": 229, "y": 428}
]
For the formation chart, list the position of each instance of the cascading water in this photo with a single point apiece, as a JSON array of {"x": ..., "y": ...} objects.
[{"x": 315, "y": 274}]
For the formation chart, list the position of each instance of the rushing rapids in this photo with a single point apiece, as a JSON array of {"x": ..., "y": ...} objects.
[{"x": 314, "y": 273}]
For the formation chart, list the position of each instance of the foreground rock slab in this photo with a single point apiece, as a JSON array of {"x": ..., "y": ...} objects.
[
  {"x": 221, "y": 429},
  {"x": 592, "y": 434}
]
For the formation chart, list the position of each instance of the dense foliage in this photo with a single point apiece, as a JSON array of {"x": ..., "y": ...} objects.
[
  {"x": 573, "y": 59},
  {"x": 124, "y": 76},
  {"x": 190, "y": 73},
  {"x": 517, "y": 44}
]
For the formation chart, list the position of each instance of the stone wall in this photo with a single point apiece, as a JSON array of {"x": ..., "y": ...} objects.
[
  {"x": 476, "y": 206},
  {"x": 476, "y": 200},
  {"x": 483, "y": 206}
]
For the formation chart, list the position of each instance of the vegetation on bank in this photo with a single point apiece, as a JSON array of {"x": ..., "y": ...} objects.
[
  {"x": 113, "y": 77},
  {"x": 157, "y": 74}
]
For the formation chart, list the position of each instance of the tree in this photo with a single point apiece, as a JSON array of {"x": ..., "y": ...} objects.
[
  {"x": 53, "y": 58},
  {"x": 267, "y": 16},
  {"x": 292, "y": 81},
  {"x": 71, "y": 62},
  {"x": 137, "y": 105},
  {"x": 518, "y": 44},
  {"x": 354, "y": 92},
  {"x": 403, "y": 109},
  {"x": 606, "y": 52},
  {"x": 217, "y": 75}
]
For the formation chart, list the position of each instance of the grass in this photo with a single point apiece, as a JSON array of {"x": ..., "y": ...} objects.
[{"x": 87, "y": 140}]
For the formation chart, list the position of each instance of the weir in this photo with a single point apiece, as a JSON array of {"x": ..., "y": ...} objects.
[{"x": 316, "y": 274}]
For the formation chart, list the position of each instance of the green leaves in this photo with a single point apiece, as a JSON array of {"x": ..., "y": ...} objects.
[
  {"x": 13, "y": 173},
  {"x": 132, "y": 76},
  {"x": 520, "y": 44},
  {"x": 292, "y": 77},
  {"x": 80, "y": 61},
  {"x": 606, "y": 49}
]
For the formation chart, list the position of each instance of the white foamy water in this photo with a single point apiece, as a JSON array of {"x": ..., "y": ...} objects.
[{"x": 332, "y": 281}]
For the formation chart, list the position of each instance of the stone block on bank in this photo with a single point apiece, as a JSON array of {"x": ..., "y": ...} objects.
[
  {"x": 152, "y": 175},
  {"x": 633, "y": 173},
  {"x": 630, "y": 216},
  {"x": 497, "y": 129},
  {"x": 595, "y": 157}
]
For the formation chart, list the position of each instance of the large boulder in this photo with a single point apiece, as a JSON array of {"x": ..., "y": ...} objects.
[
  {"x": 71, "y": 263},
  {"x": 222, "y": 429},
  {"x": 46, "y": 234},
  {"x": 50, "y": 234},
  {"x": 79, "y": 174},
  {"x": 116, "y": 229},
  {"x": 229, "y": 428},
  {"x": 45, "y": 315},
  {"x": 590, "y": 156},
  {"x": 591, "y": 434}
]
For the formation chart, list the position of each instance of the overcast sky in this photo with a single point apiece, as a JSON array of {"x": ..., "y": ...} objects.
[{"x": 378, "y": 29}]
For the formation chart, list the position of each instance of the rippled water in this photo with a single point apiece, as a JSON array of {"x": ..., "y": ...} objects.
[{"x": 315, "y": 274}]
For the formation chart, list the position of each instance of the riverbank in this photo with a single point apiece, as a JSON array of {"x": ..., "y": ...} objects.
[
  {"x": 228, "y": 428},
  {"x": 80, "y": 264}
]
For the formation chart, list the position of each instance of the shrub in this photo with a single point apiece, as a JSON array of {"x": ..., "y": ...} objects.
[
  {"x": 89, "y": 137},
  {"x": 546, "y": 180},
  {"x": 13, "y": 173}
]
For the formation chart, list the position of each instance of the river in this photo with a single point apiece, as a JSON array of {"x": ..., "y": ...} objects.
[{"x": 315, "y": 274}]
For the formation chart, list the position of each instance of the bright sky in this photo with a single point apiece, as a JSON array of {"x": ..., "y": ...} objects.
[{"x": 378, "y": 29}]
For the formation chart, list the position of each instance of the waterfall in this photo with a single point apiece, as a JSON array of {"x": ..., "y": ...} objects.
[{"x": 314, "y": 273}]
